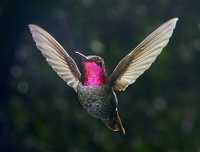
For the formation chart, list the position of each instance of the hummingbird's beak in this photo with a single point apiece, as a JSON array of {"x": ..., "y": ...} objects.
[{"x": 83, "y": 57}]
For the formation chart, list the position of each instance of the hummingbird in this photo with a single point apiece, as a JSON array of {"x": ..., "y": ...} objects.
[{"x": 95, "y": 89}]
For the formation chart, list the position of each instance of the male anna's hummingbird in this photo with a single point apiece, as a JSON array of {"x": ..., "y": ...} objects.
[{"x": 96, "y": 90}]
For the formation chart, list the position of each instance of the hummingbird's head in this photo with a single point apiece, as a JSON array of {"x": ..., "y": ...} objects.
[
  {"x": 97, "y": 60},
  {"x": 93, "y": 70}
]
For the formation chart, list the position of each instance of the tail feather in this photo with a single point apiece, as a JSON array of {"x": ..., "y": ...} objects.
[{"x": 115, "y": 124}]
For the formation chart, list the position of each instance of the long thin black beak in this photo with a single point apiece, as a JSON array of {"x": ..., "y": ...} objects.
[{"x": 83, "y": 57}]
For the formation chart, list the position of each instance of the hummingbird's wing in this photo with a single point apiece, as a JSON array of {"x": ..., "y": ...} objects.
[
  {"x": 56, "y": 56},
  {"x": 140, "y": 59}
]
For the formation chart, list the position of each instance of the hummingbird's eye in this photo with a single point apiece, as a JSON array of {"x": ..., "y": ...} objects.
[{"x": 99, "y": 63}]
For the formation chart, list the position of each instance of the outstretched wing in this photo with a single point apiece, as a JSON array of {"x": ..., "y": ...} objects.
[
  {"x": 140, "y": 59},
  {"x": 56, "y": 56}
]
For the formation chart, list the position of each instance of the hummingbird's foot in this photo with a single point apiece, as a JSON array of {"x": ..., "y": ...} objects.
[{"x": 115, "y": 124}]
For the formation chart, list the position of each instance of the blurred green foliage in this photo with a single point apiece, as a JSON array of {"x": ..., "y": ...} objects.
[{"x": 40, "y": 113}]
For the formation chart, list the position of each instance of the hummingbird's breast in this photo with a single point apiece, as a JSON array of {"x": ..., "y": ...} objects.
[{"x": 98, "y": 101}]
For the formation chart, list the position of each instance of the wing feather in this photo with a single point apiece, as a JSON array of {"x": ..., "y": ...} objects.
[
  {"x": 140, "y": 59},
  {"x": 56, "y": 56}
]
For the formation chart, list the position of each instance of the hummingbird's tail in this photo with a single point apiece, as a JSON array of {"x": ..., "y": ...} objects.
[{"x": 115, "y": 123}]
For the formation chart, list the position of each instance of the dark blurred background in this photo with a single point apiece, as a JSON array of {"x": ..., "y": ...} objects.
[{"x": 39, "y": 113}]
